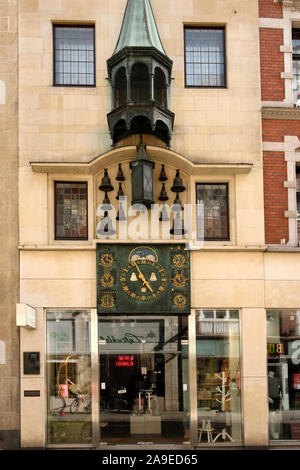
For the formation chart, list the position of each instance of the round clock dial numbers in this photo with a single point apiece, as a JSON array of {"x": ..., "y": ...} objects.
[{"x": 143, "y": 280}]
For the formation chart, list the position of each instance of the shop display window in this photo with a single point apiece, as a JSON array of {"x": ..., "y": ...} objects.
[
  {"x": 68, "y": 377},
  {"x": 144, "y": 377},
  {"x": 283, "y": 353},
  {"x": 218, "y": 376}
]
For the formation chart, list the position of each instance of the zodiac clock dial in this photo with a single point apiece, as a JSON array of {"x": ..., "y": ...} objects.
[{"x": 143, "y": 280}]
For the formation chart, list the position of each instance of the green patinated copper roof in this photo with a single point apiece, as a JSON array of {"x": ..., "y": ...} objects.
[{"x": 139, "y": 27}]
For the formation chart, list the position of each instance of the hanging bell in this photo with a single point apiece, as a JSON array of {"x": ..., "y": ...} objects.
[
  {"x": 163, "y": 176},
  {"x": 105, "y": 183},
  {"x": 178, "y": 226},
  {"x": 120, "y": 176},
  {"x": 106, "y": 205},
  {"x": 177, "y": 206},
  {"x": 163, "y": 194},
  {"x": 106, "y": 227},
  {"x": 120, "y": 192},
  {"x": 121, "y": 214},
  {"x": 164, "y": 216},
  {"x": 177, "y": 184}
]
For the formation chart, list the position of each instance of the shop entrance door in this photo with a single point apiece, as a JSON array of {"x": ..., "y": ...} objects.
[{"x": 144, "y": 393}]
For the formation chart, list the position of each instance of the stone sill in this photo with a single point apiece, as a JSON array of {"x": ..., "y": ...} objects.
[
  {"x": 210, "y": 247},
  {"x": 282, "y": 249}
]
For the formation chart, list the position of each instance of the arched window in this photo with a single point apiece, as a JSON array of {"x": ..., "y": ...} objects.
[
  {"x": 140, "y": 83},
  {"x": 120, "y": 87},
  {"x": 160, "y": 94}
]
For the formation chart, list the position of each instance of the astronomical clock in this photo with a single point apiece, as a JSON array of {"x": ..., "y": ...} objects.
[{"x": 143, "y": 279}]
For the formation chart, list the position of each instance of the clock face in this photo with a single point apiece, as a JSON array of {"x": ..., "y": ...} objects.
[{"x": 143, "y": 280}]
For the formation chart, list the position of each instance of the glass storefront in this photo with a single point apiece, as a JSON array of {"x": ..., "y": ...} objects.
[
  {"x": 68, "y": 362},
  {"x": 218, "y": 376},
  {"x": 283, "y": 349},
  {"x": 139, "y": 372},
  {"x": 143, "y": 369}
]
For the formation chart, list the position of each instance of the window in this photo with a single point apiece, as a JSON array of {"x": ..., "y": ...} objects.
[
  {"x": 204, "y": 57},
  {"x": 74, "y": 55},
  {"x": 218, "y": 376},
  {"x": 298, "y": 200},
  {"x": 70, "y": 211},
  {"x": 68, "y": 366},
  {"x": 283, "y": 353},
  {"x": 213, "y": 197}
]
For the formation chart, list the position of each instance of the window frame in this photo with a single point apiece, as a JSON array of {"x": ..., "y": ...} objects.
[
  {"x": 222, "y": 28},
  {"x": 69, "y": 25},
  {"x": 56, "y": 238},
  {"x": 216, "y": 239}
]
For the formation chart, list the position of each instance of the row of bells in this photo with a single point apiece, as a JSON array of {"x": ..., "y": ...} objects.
[{"x": 106, "y": 227}]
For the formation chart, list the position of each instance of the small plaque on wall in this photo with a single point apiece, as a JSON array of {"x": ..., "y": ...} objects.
[{"x": 31, "y": 363}]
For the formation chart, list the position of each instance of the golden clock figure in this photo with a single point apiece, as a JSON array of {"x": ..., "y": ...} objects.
[
  {"x": 107, "y": 260},
  {"x": 179, "y": 280},
  {"x": 107, "y": 279},
  {"x": 107, "y": 301},
  {"x": 178, "y": 260},
  {"x": 180, "y": 300}
]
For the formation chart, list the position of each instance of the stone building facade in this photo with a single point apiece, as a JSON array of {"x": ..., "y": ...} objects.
[
  {"x": 169, "y": 340},
  {"x": 9, "y": 264}
]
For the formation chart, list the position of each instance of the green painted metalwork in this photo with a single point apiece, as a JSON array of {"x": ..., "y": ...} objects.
[
  {"x": 143, "y": 279},
  {"x": 139, "y": 27}
]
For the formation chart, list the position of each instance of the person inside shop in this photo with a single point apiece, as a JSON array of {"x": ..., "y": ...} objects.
[
  {"x": 63, "y": 393},
  {"x": 274, "y": 391}
]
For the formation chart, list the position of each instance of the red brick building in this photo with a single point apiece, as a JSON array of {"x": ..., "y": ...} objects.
[{"x": 280, "y": 93}]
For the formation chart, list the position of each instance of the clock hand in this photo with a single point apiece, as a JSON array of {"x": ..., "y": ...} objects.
[{"x": 142, "y": 277}]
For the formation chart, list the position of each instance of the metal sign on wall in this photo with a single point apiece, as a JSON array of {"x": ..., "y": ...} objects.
[{"x": 143, "y": 279}]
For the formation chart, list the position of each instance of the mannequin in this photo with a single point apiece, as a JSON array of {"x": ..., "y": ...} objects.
[{"x": 274, "y": 391}]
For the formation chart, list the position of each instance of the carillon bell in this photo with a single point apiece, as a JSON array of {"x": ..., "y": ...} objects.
[
  {"x": 120, "y": 176},
  {"x": 106, "y": 205},
  {"x": 163, "y": 194},
  {"x": 105, "y": 183},
  {"x": 120, "y": 191},
  {"x": 177, "y": 184},
  {"x": 177, "y": 206},
  {"x": 164, "y": 216},
  {"x": 106, "y": 226},
  {"x": 178, "y": 226},
  {"x": 121, "y": 214},
  {"x": 163, "y": 176}
]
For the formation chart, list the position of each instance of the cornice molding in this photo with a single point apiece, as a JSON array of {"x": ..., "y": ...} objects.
[
  {"x": 281, "y": 113},
  {"x": 128, "y": 153},
  {"x": 289, "y": 3}
]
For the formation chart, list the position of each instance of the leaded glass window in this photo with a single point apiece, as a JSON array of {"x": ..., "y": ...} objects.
[
  {"x": 205, "y": 57},
  {"x": 70, "y": 211},
  {"x": 74, "y": 55},
  {"x": 214, "y": 198}
]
